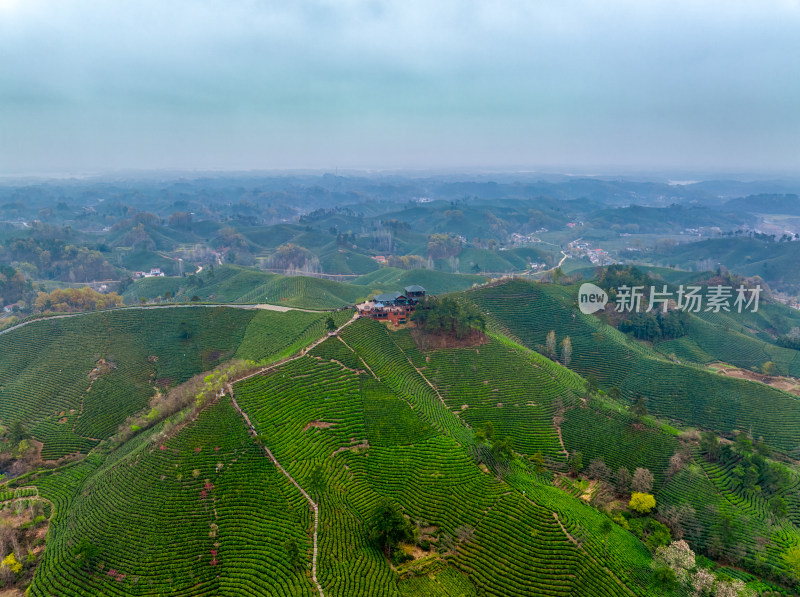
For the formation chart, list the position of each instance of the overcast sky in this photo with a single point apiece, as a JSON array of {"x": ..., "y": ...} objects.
[{"x": 572, "y": 86}]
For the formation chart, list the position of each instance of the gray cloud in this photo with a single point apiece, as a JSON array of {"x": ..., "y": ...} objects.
[{"x": 91, "y": 85}]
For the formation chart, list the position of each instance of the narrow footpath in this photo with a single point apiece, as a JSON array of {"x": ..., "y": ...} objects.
[{"x": 312, "y": 504}]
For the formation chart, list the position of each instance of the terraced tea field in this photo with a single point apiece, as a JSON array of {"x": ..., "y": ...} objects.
[
  {"x": 71, "y": 381},
  {"x": 179, "y": 516},
  {"x": 514, "y": 391},
  {"x": 235, "y": 284},
  {"x": 684, "y": 393},
  {"x": 373, "y": 445},
  {"x": 199, "y": 505}
]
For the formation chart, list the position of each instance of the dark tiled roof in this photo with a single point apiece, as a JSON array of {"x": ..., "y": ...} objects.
[{"x": 387, "y": 297}]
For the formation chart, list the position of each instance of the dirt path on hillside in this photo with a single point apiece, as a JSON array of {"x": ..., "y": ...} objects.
[
  {"x": 312, "y": 504},
  {"x": 264, "y": 306},
  {"x": 787, "y": 384}
]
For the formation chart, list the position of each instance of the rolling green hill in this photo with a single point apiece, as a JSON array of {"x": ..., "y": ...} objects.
[
  {"x": 682, "y": 392},
  {"x": 435, "y": 282},
  {"x": 774, "y": 262},
  {"x": 71, "y": 381},
  {"x": 366, "y": 419},
  {"x": 235, "y": 284},
  {"x": 373, "y": 441}
]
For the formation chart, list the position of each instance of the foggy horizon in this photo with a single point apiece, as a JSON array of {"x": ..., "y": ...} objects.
[{"x": 611, "y": 89}]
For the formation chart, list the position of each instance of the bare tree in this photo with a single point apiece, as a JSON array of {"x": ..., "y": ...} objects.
[
  {"x": 550, "y": 345},
  {"x": 622, "y": 480},
  {"x": 464, "y": 533},
  {"x": 603, "y": 495},
  {"x": 676, "y": 463},
  {"x": 679, "y": 519},
  {"x": 642, "y": 480},
  {"x": 566, "y": 351},
  {"x": 598, "y": 470}
]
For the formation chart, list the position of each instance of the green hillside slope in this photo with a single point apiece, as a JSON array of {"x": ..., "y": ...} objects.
[
  {"x": 435, "y": 282},
  {"x": 71, "y": 381},
  {"x": 178, "y": 516},
  {"x": 196, "y": 506},
  {"x": 694, "y": 396}
]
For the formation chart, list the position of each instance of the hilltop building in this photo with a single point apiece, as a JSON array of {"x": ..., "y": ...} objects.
[
  {"x": 392, "y": 306},
  {"x": 153, "y": 273}
]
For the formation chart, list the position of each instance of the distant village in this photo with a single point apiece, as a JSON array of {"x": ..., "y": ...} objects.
[{"x": 580, "y": 248}]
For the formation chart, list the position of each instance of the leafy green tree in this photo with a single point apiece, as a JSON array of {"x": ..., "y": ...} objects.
[
  {"x": 639, "y": 407},
  {"x": 330, "y": 324},
  {"x": 293, "y": 552},
  {"x": 665, "y": 579},
  {"x": 448, "y": 316},
  {"x": 316, "y": 482},
  {"x": 769, "y": 368},
  {"x": 777, "y": 506},
  {"x": 87, "y": 552},
  {"x": 18, "y": 432},
  {"x": 591, "y": 386},
  {"x": 575, "y": 463},
  {"x": 792, "y": 559},
  {"x": 606, "y": 527},
  {"x": 743, "y": 443},
  {"x": 389, "y": 527},
  {"x": 485, "y": 434},
  {"x": 657, "y": 534},
  {"x": 503, "y": 449},
  {"x": 538, "y": 463},
  {"x": 614, "y": 393},
  {"x": 726, "y": 528},
  {"x": 709, "y": 445}
]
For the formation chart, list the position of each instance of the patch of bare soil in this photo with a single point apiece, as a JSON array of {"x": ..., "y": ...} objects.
[
  {"x": 427, "y": 341},
  {"x": 37, "y": 449},
  {"x": 417, "y": 552},
  {"x": 587, "y": 495},
  {"x": 101, "y": 367},
  {"x": 787, "y": 384},
  {"x": 355, "y": 449},
  {"x": 318, "y": 425},
  {"x": 214, "y": 355}
]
